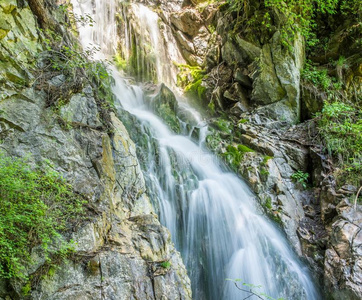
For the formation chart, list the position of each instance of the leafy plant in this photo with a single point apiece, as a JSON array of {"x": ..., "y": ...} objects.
[
  {"x": 166, "y": 264},
  {"x": 300, "y": 177},
  {"x": 340, "y": 125},
  {"x": 289, "y": 16},
  {"x": 234, "y": 155},
  {"x": 318, "y": 77},
  {"x": 251, "y": 289},
  {"x": 36, "y": 206}
]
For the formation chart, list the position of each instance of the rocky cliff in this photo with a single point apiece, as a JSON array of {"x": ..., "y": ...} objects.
[
  {"x": 59, "y": 114},
  {"x": 248, "y": 80}
]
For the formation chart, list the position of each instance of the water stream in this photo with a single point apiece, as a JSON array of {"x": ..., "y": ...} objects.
[{"x": 213, "y": 217}]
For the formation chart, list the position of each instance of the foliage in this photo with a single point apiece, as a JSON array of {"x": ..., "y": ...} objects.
[
  {"x": 166, "y": 264},
  {"x": 268, "y": 203},
  {"x": 266, "y": 158},
  {"x": 223, "y": 125},
  {"x": 36, "y": 206},
  {"x": 340, "y": 125},
  {"x": 300, "y": 177},
  {"x": 79, "y": 69},
  {"x": 289, "y": 16},
  {"x": 67, "y": 59},
  {"x": 318, "y": 77},
  {"x": 251, "y": 290},
  {"x": 234, "y": 155}
]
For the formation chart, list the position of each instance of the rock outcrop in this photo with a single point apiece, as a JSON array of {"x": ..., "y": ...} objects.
[
  {"x": 256, "y": 82},
  {"x": 122, "y": 252}
]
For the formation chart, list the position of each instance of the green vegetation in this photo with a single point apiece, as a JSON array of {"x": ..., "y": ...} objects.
[
  {"x": 268, "y": 203},
  {"x": 318, "y": 77},
  {"x": 266, "y": 158},
  {"x": 301, "y": 178},
  {"x": 166, "y": 264},
  {"x": 169, "y": 116},
  {"x": 119, "y": 62},
  {"x": 251, "y": 289},
  {"x": 70, "y": 60},
  {"x": 288, "y": 16},
  {"x": 340, "y": 125},
  {"x": 190, "y": 79},
  {"x": 223, "y": 125},
  {"x": 235, "y": 155},
  {"x": 36, "y": 206}
]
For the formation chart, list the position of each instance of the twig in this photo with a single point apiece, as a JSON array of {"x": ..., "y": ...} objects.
[
  {"x": 355, "y": 200},
  {"x": 251, "y": 292}
]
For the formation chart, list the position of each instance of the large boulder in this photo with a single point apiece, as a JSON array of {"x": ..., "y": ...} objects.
[
  {"x": 187, "y": 20},
  {"x": 277, "y": 81}
]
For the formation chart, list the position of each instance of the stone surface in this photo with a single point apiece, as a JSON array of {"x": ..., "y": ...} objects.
[
  {"x": 277, "y": 81},
  {"x": 119, "y": 250},
  {"x": 188, "y": 21}
]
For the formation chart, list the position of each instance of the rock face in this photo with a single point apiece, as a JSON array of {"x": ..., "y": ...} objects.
[
  {"x": 343, "y": 257},
  {"x": 122, "y": 252},
  {"x": 163, "y": 101},
  {"x": 277, "y": 80},
  {"x": 256, "y": 82},
  {"x": 321, "y": 223},
  {"x": 268, "y": 72}
]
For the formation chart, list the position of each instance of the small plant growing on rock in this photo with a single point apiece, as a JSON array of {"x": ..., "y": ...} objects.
[
  {"x": 166, "y": 264},
  {"x": 301, "y": 177}
]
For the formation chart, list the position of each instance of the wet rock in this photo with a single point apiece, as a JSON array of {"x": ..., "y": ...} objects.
[{"x": 164, "y": 103}]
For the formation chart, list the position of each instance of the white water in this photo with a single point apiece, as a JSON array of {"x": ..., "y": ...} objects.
[
  {"x": 211, "y": 214},
  {"x": 155, "y": 49}
]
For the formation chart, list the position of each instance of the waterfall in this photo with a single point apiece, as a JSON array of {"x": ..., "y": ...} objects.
[
  {"x": 212, "y": 215},
  {"x": 156, "y": 49}
]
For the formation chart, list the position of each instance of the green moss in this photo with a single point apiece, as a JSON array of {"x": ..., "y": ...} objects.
[
  {"x": 119, "y": 62},
  {"x": 266, "y": 158},
  {"x": 268, "y": 203},
  {"x": 275, "y": 216},
  {"x": 211, "y": 106},
  {"x": 169, "y": 117},
  {"x": 244, "y": 149},
  {"x": 25, "y": 290},
  {"x": 264, "y": 172},
  {"x": 190, "y": 79}
]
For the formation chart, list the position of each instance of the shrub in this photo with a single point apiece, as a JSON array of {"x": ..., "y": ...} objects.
[
  {"x": 340, "y": 125},
  {"x": 299, "y": 16},
  {"x": 35, "y": 207},
  {"x": 318, "y": 77}
]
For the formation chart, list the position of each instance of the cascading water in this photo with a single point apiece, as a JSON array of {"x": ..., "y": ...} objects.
[
  {"x": 211, "y": 214},
  {"x": 151, "y": 53}
]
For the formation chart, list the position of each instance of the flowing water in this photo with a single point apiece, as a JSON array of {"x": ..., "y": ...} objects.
[{"x": 213, "y": 217}]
